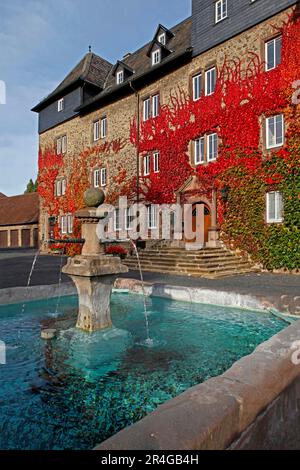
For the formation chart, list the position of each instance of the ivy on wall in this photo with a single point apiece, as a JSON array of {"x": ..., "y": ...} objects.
[{"x": 245, "y": 94}]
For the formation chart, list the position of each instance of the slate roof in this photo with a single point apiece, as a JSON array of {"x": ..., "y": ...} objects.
[
  {"x": 140, "y": 62},
  {"x": 91, "y": 69},
  {"x": 19, "y": 210},
  {"x": 95, "y": 70}
]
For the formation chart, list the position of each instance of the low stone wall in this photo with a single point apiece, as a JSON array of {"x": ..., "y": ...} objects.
[
  {"x": 15, "y": 295},
  {"x": 244, "y": 408},
  {"x": 196, "y": 295}
]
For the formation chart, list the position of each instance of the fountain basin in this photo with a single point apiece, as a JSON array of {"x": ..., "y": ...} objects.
[{"x": 77, "y": 390}]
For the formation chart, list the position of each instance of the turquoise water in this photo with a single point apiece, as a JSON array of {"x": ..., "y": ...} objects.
[{"x": 79, "y": 389}]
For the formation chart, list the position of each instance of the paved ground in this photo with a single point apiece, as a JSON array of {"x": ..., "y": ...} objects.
[{"x": 15, "y": 267}]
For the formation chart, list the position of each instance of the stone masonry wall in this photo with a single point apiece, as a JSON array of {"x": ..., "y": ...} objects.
[{"x": 79, "y": 130}]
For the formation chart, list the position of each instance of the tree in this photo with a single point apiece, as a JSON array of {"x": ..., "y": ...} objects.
[{"x": 31, "y": 186}]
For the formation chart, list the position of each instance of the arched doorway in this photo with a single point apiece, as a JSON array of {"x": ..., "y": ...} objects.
[{"x": 207, "y": 219}]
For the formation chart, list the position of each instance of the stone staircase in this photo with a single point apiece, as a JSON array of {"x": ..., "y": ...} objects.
[{"x": 207, "y": 262}]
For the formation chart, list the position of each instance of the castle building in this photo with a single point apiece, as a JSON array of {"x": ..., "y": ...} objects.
[{"x": 106, "y": 125}]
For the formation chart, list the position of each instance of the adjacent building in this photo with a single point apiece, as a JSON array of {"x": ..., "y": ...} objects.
[{"x": 19, "y": 218}]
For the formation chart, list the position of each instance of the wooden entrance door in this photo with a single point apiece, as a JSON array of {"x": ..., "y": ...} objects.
[{"x": 207, "y": 219}]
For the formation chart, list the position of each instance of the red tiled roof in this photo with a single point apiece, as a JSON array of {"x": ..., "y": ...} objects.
[
  {"x": 2, "y": 195},
  {"x": 19, "y": 210}
]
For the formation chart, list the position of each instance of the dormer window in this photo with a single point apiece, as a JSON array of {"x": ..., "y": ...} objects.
[
  {"x": 162, "y": 39},
  {"x": 60, "y": 105},
  {"x": 120, "y": 77},
  {"x": 156, "y": 57}
]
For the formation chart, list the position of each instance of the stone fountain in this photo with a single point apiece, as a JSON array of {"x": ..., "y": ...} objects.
[{"x": 93, "y": 272}]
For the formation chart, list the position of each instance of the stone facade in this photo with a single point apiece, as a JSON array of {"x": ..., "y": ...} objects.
[{"x": 79, "y": 130}]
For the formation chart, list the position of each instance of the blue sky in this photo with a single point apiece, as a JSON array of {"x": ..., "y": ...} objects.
[{"x": 41, "y": 40}]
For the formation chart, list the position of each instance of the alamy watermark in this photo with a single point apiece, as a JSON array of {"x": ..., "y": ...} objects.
[
  {"x": 296, "y": 354},
  {"x": 2, "y": 92},
  {"x": 151, "y": 222},
  {"x": 2, "y": 353}
]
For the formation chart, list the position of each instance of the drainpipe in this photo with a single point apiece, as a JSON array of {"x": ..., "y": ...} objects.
[{"x": 137, "y": 143}]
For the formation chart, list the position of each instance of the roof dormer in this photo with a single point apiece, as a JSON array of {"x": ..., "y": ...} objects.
[
  {"x": 158, "y": 48},
  {"x": 122, "y": 72},
  {"x": 163, "y": 35},
  {"x": 157, "y": 51}
]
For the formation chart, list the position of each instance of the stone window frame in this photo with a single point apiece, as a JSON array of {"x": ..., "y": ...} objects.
[
  {"x": 66, "y": 224},
  {"x": 192, "y": 88},
  {"x": 208, "y": 68},
  {"x": 150, "y": 97},
  {"x": 279, "y": 208},
  {"x": 99, "y": 123},
  {"x": 266, "y": 41},
  {"x": 63, "y": 186},
  {"x": 266, "y": 147},
  {"x": 62, "y": 144},
  {"x": 206, "y": 161},
  {"x": 97, "y": 177}
]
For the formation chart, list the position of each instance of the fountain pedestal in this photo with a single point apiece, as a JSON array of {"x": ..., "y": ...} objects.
[{"x": 93, "y": 274}]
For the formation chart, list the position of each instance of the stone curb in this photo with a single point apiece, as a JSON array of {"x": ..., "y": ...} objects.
[
  {"x": 15, "y": 295},
  {"x": 213, "y": 415},
  {"x": 200, "y": 295}
]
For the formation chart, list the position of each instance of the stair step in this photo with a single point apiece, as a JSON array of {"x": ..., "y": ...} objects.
[{"x": 207, "y": 262}]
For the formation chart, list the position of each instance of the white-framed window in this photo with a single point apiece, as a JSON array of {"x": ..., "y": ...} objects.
[
  {"x": 146, "y": 109},
  {"x": 103, "y": 177},
  {"x": 58, "y": 146},
  {"x": 156, "y": 57},
  {"x": 152, "y": 216},
  {"x": 96, "y": 178},
  {"x": 197, "y": 87},
  {"x": 274, "y": 202},
  {"x": 210, "y": 81},
  {"x": 155, "y": 105},
  {"x": 58, "y": 188},
  {"x": 273, "y": 53},
  {"x": 103, "y": 127},
  {"x": 70, "y": 223},
  {"x": 96, "y": 131},
  {"x": 60, "y": 105},
  {"x": 128, "y": 218},
  {"x": 63, "y": 224},
  {"x": 162, "y": 39},
  {"x": 61, "y": 145},
  {"x": 212, "y": 147},
  {"x": 220, "y": 10},
  {"x": 64, "y": 144},
  {"x": 117, "y": 222},
  {"x": 120, "y": 77},
  {"x": 199, "y": 150},
  {"x": 156, "y": 162},
  {"x": 274, "y": 131},
  {"x": 147, "y": 162},
  {"x": 66, "y": 224},
  {"x": 63, "y": 186}
]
